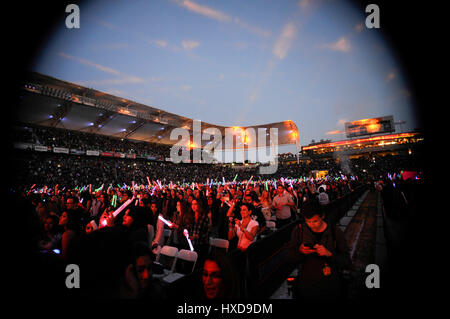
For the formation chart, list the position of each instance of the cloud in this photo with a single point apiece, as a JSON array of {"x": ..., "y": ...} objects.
[
  {"x": 186, "y": 87},
  {"x": 189, "y": 45},
  {"x": 359, "y": 27},
  {"x": 115, "y": 81},
  {"x": 334, "y": 132},
  {"x": 342, "y": 45},
  {"x": 160, "y": 43},
  {"x": 284, "y": 41},
  {"x": 304, "y": 4},
  {"x": 121, "y": 77},
  {"x": 220, "y": 16},
  {"x": 105, "y": 24},
  {"x": 252, "y": 29},
  {"x": 341, "y": 122},
  {"x": 204, "y": 11},
  {"x": 91, "y": 64},
  {"x": 390, "y": 76}
]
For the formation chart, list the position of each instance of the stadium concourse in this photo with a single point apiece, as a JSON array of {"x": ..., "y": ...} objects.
[{"x": 136, "y": 225}]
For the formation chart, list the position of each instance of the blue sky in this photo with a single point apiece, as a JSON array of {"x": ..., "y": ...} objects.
[{"x": 236, "y": 62}]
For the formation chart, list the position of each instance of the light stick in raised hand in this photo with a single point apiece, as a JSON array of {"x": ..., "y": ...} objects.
[
  {"x": 165, "y": 221},
  {"x": 122, "y": 207},
  {"x": 186, "y": 233}
]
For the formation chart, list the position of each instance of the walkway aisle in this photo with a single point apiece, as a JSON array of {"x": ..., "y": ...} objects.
[{"x": 361, "y": 236}]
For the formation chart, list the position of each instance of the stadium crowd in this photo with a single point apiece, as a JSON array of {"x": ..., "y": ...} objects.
[
  {"x": 57, "y": 137},
  {"x": 69, "y": 211}
]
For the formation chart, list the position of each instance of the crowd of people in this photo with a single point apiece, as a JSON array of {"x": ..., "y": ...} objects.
[
  {"x": 45, "y": 168},
  {"x": 73, "y": 221},
  {"x": 83, "y": 141},
  {"x": 70, "y": 206}
]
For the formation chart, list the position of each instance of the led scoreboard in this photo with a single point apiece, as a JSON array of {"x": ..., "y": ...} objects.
[{"x": 371, "y": 126}]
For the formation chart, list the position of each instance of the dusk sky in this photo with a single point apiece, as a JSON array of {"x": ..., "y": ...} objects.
[{"x": 236, "y": 62}]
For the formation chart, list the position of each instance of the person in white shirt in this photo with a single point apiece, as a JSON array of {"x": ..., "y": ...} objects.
[
  {"x": 245, "y": 229},
  {"x": 323, "y": 197},
  {"x": 282, "y": 204}
]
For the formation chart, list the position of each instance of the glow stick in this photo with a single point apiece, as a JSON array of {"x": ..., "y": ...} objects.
[
  {"x": 235, "y": 178},
  {"x": 118, "y": 210},
  {"x": 168, "y": 223},
  {"x": 114, "y": 201},
  {"x": 94, "y": 225},
  {"x": 31, "y": 189},
  {"x": 186, "y": 233},
  {"x": 223, "y": 178},
  {"x": 249, "y": 181},
  {"x": 148, "y": 181}
]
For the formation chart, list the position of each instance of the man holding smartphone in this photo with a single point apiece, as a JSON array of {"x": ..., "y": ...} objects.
[{"x": 323, "y": 253}]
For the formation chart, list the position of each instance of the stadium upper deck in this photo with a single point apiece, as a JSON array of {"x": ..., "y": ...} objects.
[
  {"x": 47, "y": 101},
  {"x": 392, "y": 144}
]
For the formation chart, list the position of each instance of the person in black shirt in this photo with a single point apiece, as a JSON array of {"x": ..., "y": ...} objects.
[
  {"x": 323, "y": 252},
  {"x": 257, "y": 213}
]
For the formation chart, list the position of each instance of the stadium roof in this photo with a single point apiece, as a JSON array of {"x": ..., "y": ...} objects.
[{"x": 48, "y": 101}]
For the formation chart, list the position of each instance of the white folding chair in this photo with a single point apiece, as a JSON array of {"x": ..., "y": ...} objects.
[
  {"x": 218, "y": 243},
  {"x": 167, "y": 257},
  {"x": 188, "y": 256},
  {"x": 184, "y": 265}
]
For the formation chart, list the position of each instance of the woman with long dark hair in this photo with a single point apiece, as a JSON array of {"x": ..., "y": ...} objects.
[{"x": 219, "y": 279}]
